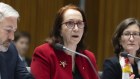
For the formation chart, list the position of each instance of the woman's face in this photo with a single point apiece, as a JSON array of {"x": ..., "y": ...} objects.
[
  {"x": 130, "y": 39},
  {"x": 72, "y": 27}
]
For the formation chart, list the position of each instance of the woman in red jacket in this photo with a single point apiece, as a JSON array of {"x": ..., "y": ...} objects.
[{"x": 69, "y": 30}]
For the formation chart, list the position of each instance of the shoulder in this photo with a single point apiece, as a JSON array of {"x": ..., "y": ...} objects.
[
  {"x": 112, "y": 62},
  {"x": 89, "y": 54},
  {"x": 12, "y": 47},
  {"x": 44, "y": 48},
  {"x": 44, "y": 51},
  {"x": 12, "y": 51}
]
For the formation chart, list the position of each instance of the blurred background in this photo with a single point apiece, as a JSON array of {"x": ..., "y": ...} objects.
[{"x": 37, "y": 17}]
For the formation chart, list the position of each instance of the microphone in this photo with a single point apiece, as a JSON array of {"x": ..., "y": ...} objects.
[
  {"x": 125, "y": 54},
  {"x": 61, "y": 47},
  {"x": 137, "y": 59}
]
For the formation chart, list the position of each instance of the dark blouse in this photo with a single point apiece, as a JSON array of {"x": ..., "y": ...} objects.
[
  {"x": 135, "y": 70},
  {"x": 76, "y": 74}
]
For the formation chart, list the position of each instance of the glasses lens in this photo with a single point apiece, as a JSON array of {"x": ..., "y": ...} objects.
[
  {"x": 136, "y": 34},
  {"x": 80, "y": 24},
  {"x": 70, "y": 24}
]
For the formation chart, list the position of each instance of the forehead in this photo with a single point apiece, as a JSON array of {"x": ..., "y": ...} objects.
[
  {"x": 23, "y": 38},
  {"x": 10, "y": 22},
  {"x": 133, "y": 27},
  {"x": 72, "y": 14}
]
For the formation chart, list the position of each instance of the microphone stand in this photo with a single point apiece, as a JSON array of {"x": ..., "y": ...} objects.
[
  {"x": 133, "y": 56},
  {"x": 64, "y": 48}
]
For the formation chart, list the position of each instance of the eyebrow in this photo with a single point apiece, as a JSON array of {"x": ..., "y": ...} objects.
[
  {"x": 74, "y": 21},
  {"x": 131, "y": 31},
  {"x": 10, "y": 27}
]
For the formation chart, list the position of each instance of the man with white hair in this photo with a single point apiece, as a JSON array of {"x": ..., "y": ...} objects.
[{"x": 11, "y": 67}]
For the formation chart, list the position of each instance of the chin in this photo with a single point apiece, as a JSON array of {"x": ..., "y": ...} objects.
[
  {"x": 75, "y": 41},
  {"x": 132, "y": 49}
]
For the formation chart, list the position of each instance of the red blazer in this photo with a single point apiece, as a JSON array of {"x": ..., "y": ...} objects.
[{"x": 48, "y": 63}]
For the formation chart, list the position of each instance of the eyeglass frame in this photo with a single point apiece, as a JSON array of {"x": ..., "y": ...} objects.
[
  {"x": 75, "y": 23},
  {"x": 135, "y": 34}
]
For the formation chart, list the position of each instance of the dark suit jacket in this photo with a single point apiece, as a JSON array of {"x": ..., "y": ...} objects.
[
  {"x": 112, "y": 69},
  {"x": 11, "y": 67}
]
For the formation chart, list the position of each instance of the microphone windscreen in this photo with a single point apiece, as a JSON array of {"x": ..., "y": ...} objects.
[
  {"x": 124, "y": 54},
  {"x": 58, "y": 46}
]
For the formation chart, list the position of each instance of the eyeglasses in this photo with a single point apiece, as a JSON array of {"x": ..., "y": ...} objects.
[
  {"x": 71, "y": 24},
  {"x": 134, "y": 34}
]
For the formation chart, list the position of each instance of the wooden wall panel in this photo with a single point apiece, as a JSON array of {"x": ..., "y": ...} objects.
[
  {"x": 37, "y": 17},
  {"x": 91, "y": 11}
]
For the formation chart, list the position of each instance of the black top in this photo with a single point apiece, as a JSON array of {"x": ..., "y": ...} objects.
[
  {"x": 76, "y": 74},
  {"x": 112, "y": 69}
]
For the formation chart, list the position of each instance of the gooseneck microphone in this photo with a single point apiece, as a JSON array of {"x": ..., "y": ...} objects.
[
  {"x": 137, "y": 59},
  {"x": 63, "y": 48},
  {"x": 125, "y": 54}
]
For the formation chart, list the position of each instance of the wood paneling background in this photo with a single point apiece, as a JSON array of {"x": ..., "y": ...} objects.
[{"x": 37, "y": 17}]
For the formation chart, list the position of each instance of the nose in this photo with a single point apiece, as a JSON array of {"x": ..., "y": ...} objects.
[
  {"x": 131, "y": 38},
  {"x": 75, "y": 28},
  {"x": 11, "y": 35}
]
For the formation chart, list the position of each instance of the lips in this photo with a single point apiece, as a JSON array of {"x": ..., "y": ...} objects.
[
  {"x": 75, "y": 36},
  {"x": 131, "y": 44}
]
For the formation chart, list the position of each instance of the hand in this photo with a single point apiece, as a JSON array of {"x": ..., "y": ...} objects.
[{"x": 132, "y": 76}]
